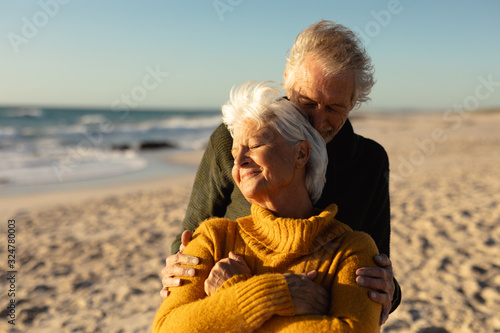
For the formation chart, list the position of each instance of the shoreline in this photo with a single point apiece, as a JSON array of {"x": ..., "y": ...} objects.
[
  {"x": 25, "y": 198},
  {"x": 18, "y": 203}
]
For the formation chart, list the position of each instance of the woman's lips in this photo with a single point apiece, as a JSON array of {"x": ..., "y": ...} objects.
[{"x": 249, "y": 173}]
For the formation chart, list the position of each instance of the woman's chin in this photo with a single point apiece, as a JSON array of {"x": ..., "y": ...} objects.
[{"x": 251, "y": 194}]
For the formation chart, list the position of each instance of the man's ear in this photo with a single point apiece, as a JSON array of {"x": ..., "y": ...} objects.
[{"x": 303, "y": 153}]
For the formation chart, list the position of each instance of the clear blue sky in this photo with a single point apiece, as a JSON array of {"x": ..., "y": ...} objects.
[{"x": 427, "y": 54}]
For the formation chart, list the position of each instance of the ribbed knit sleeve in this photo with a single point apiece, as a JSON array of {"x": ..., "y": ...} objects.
[
  {"x": 263, "y": 296},
  {"x": 243, "y": 307},
  {"x": 234, "y": 280}
]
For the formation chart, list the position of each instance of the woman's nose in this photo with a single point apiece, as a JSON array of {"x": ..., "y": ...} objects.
[{"x": 242, "y": 158}]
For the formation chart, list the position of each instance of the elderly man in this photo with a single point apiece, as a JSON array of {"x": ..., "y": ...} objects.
[{"x": 327, "y": 74}]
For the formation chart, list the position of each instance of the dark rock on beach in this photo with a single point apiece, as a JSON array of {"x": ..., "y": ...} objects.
[{"x": 152, "y": 145}]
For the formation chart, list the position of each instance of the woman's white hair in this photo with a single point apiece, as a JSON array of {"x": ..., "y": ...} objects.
[
  {"x": 338, "y": 51},
  {"x": 262, "y": 104}
]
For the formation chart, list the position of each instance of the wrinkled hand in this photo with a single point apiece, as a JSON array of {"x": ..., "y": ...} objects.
[
  {"x": 173, "y": 267},
  {"x": 223, "y": 271},
  {"x": 381, "y": 280},
  {"x": 308, "y": 297}
]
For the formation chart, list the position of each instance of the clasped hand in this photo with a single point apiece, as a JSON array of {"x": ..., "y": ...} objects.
[
  {"x": 224, "y": 270},
  {"x": 308, "y": 297}
]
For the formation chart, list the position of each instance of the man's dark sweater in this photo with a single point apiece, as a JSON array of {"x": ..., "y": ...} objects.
[{"x": 356, "y": 180}]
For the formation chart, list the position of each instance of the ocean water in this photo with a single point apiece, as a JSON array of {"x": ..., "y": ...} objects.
[{"x": 40, "y": 146}]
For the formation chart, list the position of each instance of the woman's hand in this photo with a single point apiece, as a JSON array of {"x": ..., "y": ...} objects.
[
  {"x": 308, "y": 297},
  {"x": 224, "y": 270}
]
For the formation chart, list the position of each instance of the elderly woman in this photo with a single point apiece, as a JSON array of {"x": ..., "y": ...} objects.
[{"x": 286, "y": 267}]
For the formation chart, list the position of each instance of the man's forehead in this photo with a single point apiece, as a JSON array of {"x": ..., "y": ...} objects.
[
  {"x": 336, "y": 89},
  {"x": 330, "y": 98}
]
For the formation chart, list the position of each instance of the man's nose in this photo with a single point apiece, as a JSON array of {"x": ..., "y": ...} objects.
[{"x": 318, "y": 117}]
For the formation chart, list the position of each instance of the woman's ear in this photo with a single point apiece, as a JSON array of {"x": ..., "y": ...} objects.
[{"x": 303, "y": 153}]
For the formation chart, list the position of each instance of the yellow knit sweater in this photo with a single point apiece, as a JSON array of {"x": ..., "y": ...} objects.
[{"x": 272, "y": 246}]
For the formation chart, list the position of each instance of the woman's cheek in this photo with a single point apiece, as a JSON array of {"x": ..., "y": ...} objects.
[{"x": 235, "y": 174}]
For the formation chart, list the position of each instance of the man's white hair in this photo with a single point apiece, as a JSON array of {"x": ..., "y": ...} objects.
[
  {"x": 338, "y": 51},
  {"x": 262, "y": 104}
]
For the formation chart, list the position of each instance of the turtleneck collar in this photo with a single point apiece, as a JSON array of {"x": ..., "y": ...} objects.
[{"x": 268, "y": 234}]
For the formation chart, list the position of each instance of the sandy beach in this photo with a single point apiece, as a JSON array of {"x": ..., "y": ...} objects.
[{"x": 90, "y": 260}]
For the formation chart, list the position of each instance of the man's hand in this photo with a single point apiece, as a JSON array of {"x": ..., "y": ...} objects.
[
  {"x": 308, "y": 297},
  {"x": 381, "y": 280},
  {"x": 173, "y": 267},
  {"x": 224, "y": 270}
]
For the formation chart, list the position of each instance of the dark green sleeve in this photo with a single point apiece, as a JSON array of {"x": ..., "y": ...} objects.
[
  {"x": 380, "y": 215},
  {"x": 213, "y": 184},
  {"x": 396, "y": 298},
  {"x": 382, "y": 218}
]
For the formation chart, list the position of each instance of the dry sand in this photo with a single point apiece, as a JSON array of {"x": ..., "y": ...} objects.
[{"x": 89, "y": 261}]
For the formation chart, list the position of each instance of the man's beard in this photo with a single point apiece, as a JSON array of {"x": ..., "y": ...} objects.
[{"x": 328, "y": 133}]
